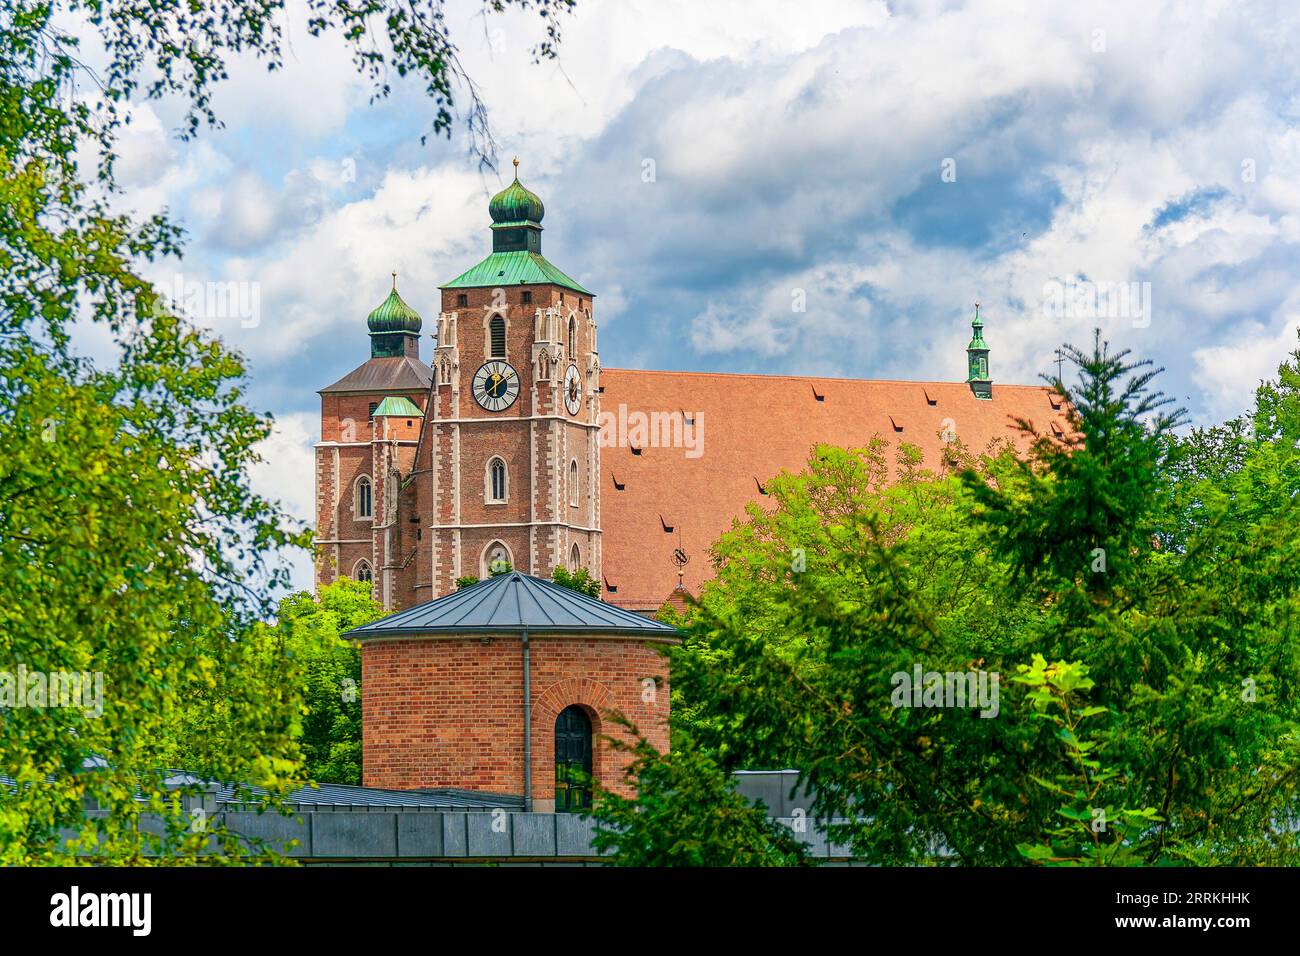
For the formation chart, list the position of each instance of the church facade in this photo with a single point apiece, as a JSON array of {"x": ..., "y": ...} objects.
[{"x": 514, "y": 444}]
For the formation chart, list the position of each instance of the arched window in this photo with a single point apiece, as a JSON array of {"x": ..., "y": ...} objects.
[
  {"x": 573, "y": 483},
  {"x": 495, "y": 487},
  {"x": 362, "y": 572},
  {"x": 572, "y": 760},
  {"x": 365, "y": 507},
  {"x": 496, "y": 557},
  {"x": 573, "y": 336},
  {"x": 575, "y": 558},
  {"x": 497, "y": 334}
]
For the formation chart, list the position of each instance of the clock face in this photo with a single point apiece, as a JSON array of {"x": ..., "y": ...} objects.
[
  {"x": 496, "y": 386},
  {"x": 573, "y": 390}
]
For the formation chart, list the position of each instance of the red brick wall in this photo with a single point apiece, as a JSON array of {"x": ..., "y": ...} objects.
[
  {"x": 449, "y": 712},
  {"x": 345, "y": 419}
]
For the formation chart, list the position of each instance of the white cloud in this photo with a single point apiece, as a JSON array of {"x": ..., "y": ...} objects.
[
  {"x": 1229, "y": 373},
  {"x": 793, "y": 148},
  {"x": 287, "y": 471}
]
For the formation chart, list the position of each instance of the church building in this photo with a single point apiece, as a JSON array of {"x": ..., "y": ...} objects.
[
  {"x": 514, "y": 443},
  {"x": 514, "y": 446}
]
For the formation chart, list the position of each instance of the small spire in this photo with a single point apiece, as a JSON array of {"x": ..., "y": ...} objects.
[
  {"x": 516, "y": 161},
  {"x": 394, "y": 281},
  {"x": 977, "y": 360}
]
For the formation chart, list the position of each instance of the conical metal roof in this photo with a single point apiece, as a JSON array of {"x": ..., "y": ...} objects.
[{"x": 513, "y": 603}]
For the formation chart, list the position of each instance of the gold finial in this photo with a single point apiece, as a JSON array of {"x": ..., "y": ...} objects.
[
  {"x": 516, "y": 161},
  {"x": 394, "y": 281}
]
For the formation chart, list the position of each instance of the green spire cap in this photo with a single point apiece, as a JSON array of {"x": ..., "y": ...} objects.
[
  {"x": 516, "y": 204},
  {"x": 977, "y": 339},
  {"x": 394, "y": 315}
]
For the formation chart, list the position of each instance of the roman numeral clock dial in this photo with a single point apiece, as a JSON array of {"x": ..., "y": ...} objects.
[
  {"x": 573, "y": 390},
  {"x": 496, "y": 386}
]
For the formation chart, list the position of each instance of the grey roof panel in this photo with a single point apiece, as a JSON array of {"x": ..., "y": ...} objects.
[
  {"x": 337, "y": 795},
  {"x": 513, "y": 603},
  {"x": 398, "y": 373}
]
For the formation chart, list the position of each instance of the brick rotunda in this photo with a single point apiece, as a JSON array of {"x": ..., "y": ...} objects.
[{"x": 506, "y": 686}]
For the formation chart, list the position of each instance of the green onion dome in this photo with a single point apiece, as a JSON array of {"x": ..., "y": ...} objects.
[
  {"x": 394, "y": 315},
  {"x": 516, "y": 204}
]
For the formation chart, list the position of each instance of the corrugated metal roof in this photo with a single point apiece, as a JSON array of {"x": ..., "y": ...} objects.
[
  {"x": 513, "y": 268},
  {"x": 326, "y": 796},
  {"x": 341, "y": 797},
  {"x": 399, "y": 373},
  {"x": 512, "y": 603}
]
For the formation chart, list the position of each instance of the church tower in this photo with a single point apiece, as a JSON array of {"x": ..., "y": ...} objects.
[
  {"x": 370, "y": 428},
  {"x": 509, "y": 464}
]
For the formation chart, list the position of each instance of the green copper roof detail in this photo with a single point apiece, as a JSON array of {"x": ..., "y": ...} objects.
[
  {"x": 516, "y": 204},
  {"x": 977, "y": 328},
  {"x": 399, "y": 407},
  {"x": 977, "y": 360},
  {"x": 513, "y": 268},
  {"x": 516, "y": 257},
  {"x": 394, "y": 315}
]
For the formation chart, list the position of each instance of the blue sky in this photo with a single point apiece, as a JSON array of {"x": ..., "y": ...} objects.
[{"x": 890, "y": 163}]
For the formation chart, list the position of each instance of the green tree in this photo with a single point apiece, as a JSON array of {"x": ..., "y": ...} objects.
[
  {"x": 722, "y": 829},
  {"x": 579, "y": 580},
  {"x": 133, "y": 546},
  {"x": 1089, "y": 832},
  {"x": 330, "y": 669},
  {"x": 1187, "y": 627}
]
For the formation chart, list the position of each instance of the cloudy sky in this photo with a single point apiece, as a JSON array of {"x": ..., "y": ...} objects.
[{"x": 708, "y": 166}]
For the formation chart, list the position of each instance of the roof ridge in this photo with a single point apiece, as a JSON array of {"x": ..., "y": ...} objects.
[
  {"x": 529, "y": 587},
  {"x": 809, "y": 378},
  {"x": 538, "y": 604}
]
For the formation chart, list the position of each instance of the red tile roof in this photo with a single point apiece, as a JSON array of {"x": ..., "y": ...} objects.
[{"x": 753, "y": 427}]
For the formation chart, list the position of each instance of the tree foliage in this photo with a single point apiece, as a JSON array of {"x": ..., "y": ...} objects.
[
  {"x": 1157, "y": 574},
  {"x": 723, "y": 828},
  {"x": 330, "y": 669},
  {"x": 135, "y": 550},
  {"x": 579, "y": 580}
]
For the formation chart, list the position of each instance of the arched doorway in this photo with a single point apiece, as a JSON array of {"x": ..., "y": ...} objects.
[{"x": 572, "y": 760}]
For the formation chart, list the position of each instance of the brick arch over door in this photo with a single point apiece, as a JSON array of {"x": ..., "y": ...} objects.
[{"x": 594, "y": 698}]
